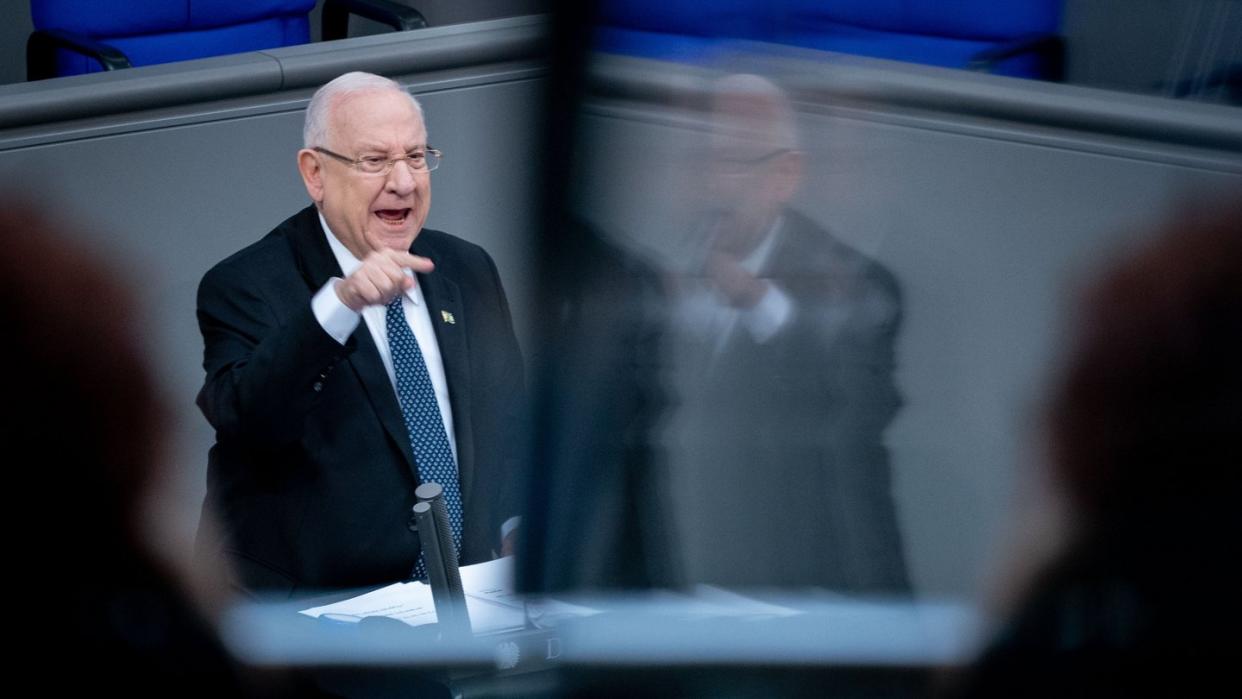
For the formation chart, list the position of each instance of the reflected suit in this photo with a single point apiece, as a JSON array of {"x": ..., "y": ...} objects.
[{"x": 786, "y": 476}]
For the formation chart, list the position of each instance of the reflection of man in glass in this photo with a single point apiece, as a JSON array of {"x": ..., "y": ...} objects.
[{"x": 789, "y": 376}]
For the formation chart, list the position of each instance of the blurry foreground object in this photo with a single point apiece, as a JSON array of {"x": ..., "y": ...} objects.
[
  {"x": 86, "y": 423},
  {"x": 1144, "y": 431},
  {"x": 602, "y": 396}
]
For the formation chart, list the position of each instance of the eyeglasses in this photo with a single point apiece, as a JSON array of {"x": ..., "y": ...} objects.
[
  {"x": 734, "y": 166},
  {"x": 418, "y": 161}
]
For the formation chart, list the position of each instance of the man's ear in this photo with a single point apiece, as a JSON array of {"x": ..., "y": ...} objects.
[
  {"x": 311, "y": 169},
  {"x": 789, "y": 172}
]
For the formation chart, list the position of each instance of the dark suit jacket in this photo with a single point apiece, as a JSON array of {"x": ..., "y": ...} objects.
[
  {"x": 312, "y": 474},
  {"x": 785, "y": 437}
]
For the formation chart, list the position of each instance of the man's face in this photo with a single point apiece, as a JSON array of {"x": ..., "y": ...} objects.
[
  {"x": 747, "y": 193},
  {"x": 369, "y": 212},
  {"x": 750, "y": 174}
]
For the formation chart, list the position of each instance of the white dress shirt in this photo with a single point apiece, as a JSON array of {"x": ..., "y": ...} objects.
[
  {"x": 707, "y": 314},
  {"x": 339, "y": 321}
]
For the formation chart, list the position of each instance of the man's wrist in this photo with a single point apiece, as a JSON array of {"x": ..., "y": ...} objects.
[
  {"x": 334, "y": 316},
  {"x": 509, "y": 527},
  {"x": 771, "y": 312}
]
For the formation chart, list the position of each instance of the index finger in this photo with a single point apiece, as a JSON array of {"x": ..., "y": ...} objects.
[{"x": 414, "y": 262}]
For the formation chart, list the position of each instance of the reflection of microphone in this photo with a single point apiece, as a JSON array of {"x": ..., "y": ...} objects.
[{"x": 440, "y": 555}]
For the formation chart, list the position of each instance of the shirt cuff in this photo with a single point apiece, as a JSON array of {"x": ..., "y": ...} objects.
[
  {"x": 336, "y": 319},
  {"x": 769, "y": 315},
  {"x": 510, "y": 524}
]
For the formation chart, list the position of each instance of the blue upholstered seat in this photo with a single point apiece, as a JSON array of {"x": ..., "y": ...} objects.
[
  {"x": 1011, "y": 38},
  {"x": 162, "y": 31}
]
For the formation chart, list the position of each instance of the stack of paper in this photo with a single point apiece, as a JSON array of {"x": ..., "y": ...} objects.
[{"x": 490, "y": 601}]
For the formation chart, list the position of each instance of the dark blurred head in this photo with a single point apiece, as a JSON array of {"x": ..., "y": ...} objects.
[
  {"x": 1148, "y": 416},
  {"x": 756, "y": 166},
  {"x": 81, "y": 404}
]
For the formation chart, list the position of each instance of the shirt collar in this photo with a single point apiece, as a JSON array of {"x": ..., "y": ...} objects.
[
  {"x": 349, "y": 263},
  {"x": 755, "y": 261}
]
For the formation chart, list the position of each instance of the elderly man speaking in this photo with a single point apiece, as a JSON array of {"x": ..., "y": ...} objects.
[{"x": 352, "y": 354}]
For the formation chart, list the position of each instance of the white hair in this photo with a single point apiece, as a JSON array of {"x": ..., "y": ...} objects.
[
  {"x": 764, "y": 114},
  {"x": 319, "y": 111}
]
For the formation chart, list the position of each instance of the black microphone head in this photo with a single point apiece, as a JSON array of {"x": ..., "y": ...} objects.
[{"x": 428, "y": 491}]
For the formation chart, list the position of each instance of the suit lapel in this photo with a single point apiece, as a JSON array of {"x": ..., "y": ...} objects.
[
  {"x": 374, "y": 377},
  {"x": 318, "y": 264},
  {"x": 443, "y": 299}
]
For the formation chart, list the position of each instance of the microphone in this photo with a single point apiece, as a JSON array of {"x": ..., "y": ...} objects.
[{"x": 440, "y": 555}]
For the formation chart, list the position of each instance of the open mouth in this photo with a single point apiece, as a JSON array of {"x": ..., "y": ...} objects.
[{"x": 393, "y": 217}]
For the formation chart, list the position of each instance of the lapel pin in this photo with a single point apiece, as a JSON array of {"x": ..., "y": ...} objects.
[{"x": 448, "y": 317}]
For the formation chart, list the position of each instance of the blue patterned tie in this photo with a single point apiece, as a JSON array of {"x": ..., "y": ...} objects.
[{"x": 422, "y": 421}]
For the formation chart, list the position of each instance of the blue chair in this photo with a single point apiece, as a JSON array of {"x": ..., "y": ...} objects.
[
  {"x": 1017, "y": 37},
  {"x": 686, "y": 31},
  {"x": 84, "y": 36}
]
